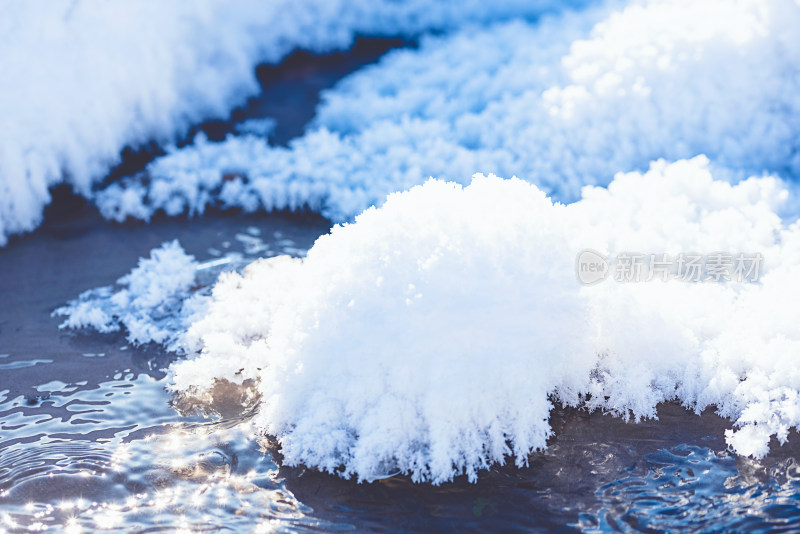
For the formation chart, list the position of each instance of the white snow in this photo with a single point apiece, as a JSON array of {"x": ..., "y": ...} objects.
[
  {"x": 82, "y": 79},
  {"x": 432, "y": 335},
  {"x": 155, "y": 302},
  {"x": 567, "y": 101}
]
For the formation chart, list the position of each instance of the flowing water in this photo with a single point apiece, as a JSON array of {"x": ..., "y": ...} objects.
[{"x": 91, "y": 440}]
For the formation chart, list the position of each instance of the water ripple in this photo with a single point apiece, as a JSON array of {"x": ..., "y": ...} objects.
[{"x": 693, "y": 488}]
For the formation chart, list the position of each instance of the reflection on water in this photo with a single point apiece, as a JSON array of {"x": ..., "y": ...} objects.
[
  {"x": 116, "y": 455},
  {"x": 146, "y": 473},
  {"x": 693, "y": 487}
]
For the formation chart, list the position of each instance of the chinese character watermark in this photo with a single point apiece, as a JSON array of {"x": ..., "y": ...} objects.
[{"x": 592, "y": 267}]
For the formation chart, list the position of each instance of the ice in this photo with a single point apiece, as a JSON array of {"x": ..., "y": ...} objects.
[
  {"x": 565, "y": 101},
  {"x": 83, "y": 79}
]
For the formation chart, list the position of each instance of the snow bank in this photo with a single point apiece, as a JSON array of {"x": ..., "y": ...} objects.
[
  {"x": 83, "y": 79},
  {"x": 432, "y": 335},
  {"x": 565, "y": 102}
]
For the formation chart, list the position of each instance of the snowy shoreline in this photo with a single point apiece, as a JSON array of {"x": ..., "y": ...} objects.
[{"x": 85, "y": 79}]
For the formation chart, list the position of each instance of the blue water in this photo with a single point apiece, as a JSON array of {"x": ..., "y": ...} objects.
[{"x": 691, "y": 487}]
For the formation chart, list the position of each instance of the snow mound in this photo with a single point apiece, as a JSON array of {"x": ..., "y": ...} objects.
[
  {"x": 432, "y": 335},
  {"x": 84, "y": 79},
  {"x": 566, "y": 101}
]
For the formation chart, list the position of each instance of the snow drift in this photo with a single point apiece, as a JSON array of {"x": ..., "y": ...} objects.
[
  {"x": 84, "y": 79},
  {"x": 564, "y": 102}
]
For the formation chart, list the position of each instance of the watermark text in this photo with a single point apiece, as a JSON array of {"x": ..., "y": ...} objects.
[{"x": 592, "y": 267}]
